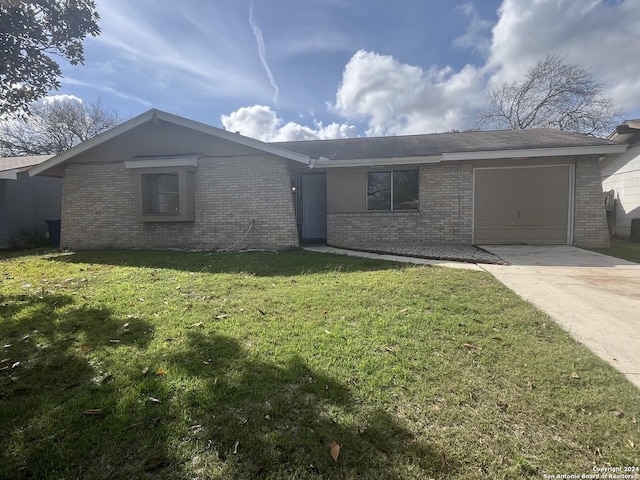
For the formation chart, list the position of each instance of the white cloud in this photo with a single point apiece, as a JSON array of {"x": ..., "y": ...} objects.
[
  {"x": 397, "y": 98},
  {"x": 51, "y": 99},
  {"x": 595, "y": 34},
  {"x": 477, "y": 35},
  {"x": 262, "y": 123},
  {"x": 262, "y": 53}
]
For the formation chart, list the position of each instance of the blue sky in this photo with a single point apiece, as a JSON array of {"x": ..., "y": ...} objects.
[{"x": 296, "y": 69}]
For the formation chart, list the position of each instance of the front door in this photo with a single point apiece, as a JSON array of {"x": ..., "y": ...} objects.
[{"x": 313, "y": 189}]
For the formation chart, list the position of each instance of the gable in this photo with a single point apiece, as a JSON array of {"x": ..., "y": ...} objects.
[{"x": 160, "y": 133}]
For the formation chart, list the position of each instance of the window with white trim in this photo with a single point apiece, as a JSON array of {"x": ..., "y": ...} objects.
[{"x": 393, "y": 190}]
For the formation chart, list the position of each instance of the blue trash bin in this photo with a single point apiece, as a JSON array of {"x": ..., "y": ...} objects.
[{"x": 54, "y": 232}]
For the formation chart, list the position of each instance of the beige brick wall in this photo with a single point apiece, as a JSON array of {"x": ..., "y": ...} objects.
[
  {"x": 445, "y": 216},
  {"x": 590, "y": 218},
  {"x": 99, "y": 209},
  {"x": 446, "y": 206}
]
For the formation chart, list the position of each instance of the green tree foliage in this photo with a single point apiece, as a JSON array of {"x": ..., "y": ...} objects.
[{"x": 31, "y": 33}]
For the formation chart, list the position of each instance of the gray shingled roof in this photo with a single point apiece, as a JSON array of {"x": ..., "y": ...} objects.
[
  {"x": 438, "y": 143},
  {"x": 13, "y": 163}
]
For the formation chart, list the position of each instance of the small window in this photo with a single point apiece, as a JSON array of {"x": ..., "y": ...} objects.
[
  {"x": 165, "y": 194},
  {"x": 392, "y": 190}
]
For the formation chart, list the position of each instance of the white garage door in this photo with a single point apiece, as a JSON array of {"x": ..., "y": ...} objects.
[{"x": 522, "y": 205}]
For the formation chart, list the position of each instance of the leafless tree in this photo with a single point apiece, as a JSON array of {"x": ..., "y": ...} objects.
[
  {"x": 553, "y": 94},
  {"x": 55, "y": 126}
]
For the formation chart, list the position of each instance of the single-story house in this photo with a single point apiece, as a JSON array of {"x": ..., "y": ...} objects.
[
  {"x": 621, "y": 173},
  {"x": 163, "y": 181},
  {"x": 26, "y": 203}
]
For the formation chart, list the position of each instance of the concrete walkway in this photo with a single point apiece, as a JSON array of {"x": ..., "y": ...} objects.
[{"x": 596, "y": 298}]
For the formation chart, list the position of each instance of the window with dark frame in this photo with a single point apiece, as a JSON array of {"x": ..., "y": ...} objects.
[
  {"x": 160, "y": 193},
  {"x": 393, "y": 190}
]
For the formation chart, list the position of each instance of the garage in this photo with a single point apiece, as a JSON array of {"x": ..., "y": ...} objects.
[{"x": 522, "y": 205}]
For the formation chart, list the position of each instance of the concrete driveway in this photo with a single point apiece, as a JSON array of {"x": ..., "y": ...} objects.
[{"x": 596, "y": 298}]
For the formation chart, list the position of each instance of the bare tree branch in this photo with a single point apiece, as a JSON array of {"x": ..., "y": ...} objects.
[
  {"x": 54, "y": 127},
  {"x": 554, "y": 95}
]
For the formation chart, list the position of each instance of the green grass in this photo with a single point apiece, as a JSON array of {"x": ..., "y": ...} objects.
[
  {"x": 622, "y": 248},
  {"x": 265, "y": 359}
]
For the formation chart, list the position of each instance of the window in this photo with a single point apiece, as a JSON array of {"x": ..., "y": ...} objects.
[
  {"x": 392, "y": 190},
  {"x": 160, "y": 193},
  {"x": 165, "y": 194}
]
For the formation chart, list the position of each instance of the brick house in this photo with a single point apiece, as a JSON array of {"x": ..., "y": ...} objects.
[{"x": 163, "y": 181}]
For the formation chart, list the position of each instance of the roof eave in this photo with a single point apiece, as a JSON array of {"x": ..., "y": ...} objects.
[
  {"x": 376, "y": 162},
  {"x": 535, "y": 152}
]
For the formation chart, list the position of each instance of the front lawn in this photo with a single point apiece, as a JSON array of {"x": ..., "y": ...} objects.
[
  {"x": 257, "y": 365},
  {"x": 622, "y": 248}
]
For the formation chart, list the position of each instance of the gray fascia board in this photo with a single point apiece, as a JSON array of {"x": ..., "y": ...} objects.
[
  {"x": 535, "y": 152},
  {"x": 376, "y": 162}
]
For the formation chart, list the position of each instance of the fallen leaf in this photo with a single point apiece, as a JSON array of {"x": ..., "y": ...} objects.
[
  {"x": 154, "y": 400},
  {"x": 145, "y": 370},
  {"x": 160, "y": 371},
  {"x": 631, "y": 443},
  {"x": 334, "y": 450},
  {"x": 85, "y": 348},
  {"x": 195, "y": 325},
  {"x": 93, "y": 412},
  {"x": 471, "y": 346},
  {"x": 436, "y": 407},
  {"x": 404, "y": 310},
  {"x": 221, "y": 316},
  {"x": 617, "y": 413},
  {"x": 575, "y": 375},
  {"x": 390, "y": 349}
]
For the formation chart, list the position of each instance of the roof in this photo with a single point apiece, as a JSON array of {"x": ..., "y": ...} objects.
[
  {"x": 11, "y": 166},
  {"x": 447, "y": 145},
  {"x": 627, "y": 132},
  {"x": 371, "y": 151},
  {"x": 53, "y": 165},
  {"x": 15, "y": 163}
]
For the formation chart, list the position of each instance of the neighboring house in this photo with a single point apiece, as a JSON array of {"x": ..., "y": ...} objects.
[
  {"x": 621, "y": 173},
  {"x": 163, "y": 181},
  {"x": 26, "y": 203}
]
